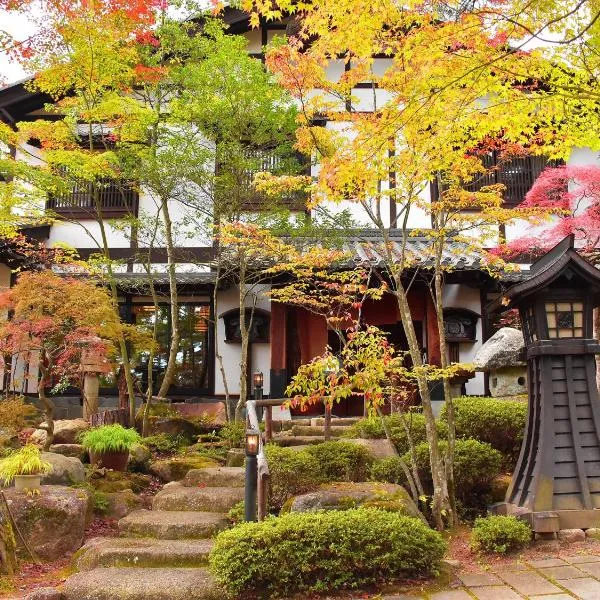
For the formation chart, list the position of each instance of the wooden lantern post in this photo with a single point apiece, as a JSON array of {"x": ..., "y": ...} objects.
[{"x": 556, "y": 484}]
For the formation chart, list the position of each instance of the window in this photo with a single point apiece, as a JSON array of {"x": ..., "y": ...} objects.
[
  {"x": 193, "y": 358},
  {"x": 529, "y": 324},
  {"x": 565, "y": 319}
]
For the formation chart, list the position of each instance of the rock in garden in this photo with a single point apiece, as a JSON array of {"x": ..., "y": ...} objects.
[
  {"x": 571, "y": 535},
  {"x": 593, "y": 532},
  {"x": 139, "y": 458},
  {"x": 72, "y": 450},
  {"x": 117, "y": 481},
  {"x": 66, "y": 470},
  {"x": 66, "y": 431},
  {"x": 120, "y": 504},
  {"x": 342, "y": 496},
  {"x": 378, "y": 448},
  {"x": 236, "y": 457},
  {"x": 45, "y": 593},
  {"x": 53, "y": 522},
  {"x": 215, "y": 477},
  {"x": 176, "y": 468},
  {"x": 176, "y": 426},
  {"x": 9, "y": 438},
  {"x": 214, "y": 499}
]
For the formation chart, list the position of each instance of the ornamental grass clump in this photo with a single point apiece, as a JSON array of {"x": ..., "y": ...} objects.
[
  {"x": 26, "y": 461},
  {"x": 109, "y": 438},
  {"x": 499, "y": 534},
  {"x": 323, "y": 552}
]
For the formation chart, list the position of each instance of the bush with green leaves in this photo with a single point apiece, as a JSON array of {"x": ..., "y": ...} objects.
[
  {"x": 476, "y": 464},
  {"x": 372, "y": 428},
  {"x": 388, "y": 470},
  {"x": 164, "y": 442},
  {"x": 26, "y": 461},
  {"x": 500, "y": 423},
  {"x": 233, "y": 433},
  {"x": 499, "y": 534},
  {"x": 292, "y": 473},
  {"x": 322, "y": 552},
  {"x": 109, "y": 438},
  {"x": 341, "y": 461}
]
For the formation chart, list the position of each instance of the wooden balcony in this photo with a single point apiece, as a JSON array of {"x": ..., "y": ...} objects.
[
  {"x": 517, "y": 174},
  {"x": 117, "y": 199}
]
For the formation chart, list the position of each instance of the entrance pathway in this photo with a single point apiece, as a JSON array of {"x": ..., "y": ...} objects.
[{"x": 546, "y": 579}]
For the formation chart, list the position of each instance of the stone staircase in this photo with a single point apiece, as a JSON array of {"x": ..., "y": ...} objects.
[
  {"x": 300, "y": 433},
  {"x": 162, "y": 553}
]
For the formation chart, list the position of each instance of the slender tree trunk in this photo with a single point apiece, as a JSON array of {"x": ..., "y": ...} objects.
[
  {"x": 219, "y": 356},
  {"x": 169, "y": 373},
  {"x": 48, "y": 403},
  {"x": 149, "y": 395},
  {"x": 449, "y": 461},
  {"x": 440, "y": 502},
  {"x": 245, "y": 335}
]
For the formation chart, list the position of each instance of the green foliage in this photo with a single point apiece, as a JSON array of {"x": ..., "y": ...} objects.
[
  {"x": 233, "y": 433},
  {"x": 499, "y": 534},
  {"x": 372, "y": 428},
  {"x": 388, "y": 470},
  {"x": 500, "y": 423},
  {"x": 237, "y": 513},
  {"x": 26, "y": 461},
  {"x": 325, "y": 551},
  {"x": 156, "y": 409},
  {"x": 341, "y": 461},
  {"x": 16, "y": 414},
  {"x": 292, "y": 473},
  {"x": 476, "y": 464},
  {"x": 109, "y": 438},
  {"x": 163, "y": 442}
]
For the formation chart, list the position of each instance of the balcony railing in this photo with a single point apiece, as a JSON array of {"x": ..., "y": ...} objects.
[
  {"x": 517, "y": 175},
  {"x": 116, "y": 199}
]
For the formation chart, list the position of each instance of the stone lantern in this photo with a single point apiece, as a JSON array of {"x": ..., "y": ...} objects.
[
  {"x": 556, "y": 484},
  {"x": 93, "y": 364},
  {"x": 502, "y": 357}
]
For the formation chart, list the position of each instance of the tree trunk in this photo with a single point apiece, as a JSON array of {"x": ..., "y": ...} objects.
[
  {"x": 91, "y": 389},
  {"x": 48, "y": 404},
  {"x": 245, "y": 335},
  {"x": 219, "y": 356},
  {"x": 169, "y": 373}
]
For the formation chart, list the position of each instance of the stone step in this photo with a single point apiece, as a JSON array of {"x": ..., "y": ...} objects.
[
  {"x": 297, "y": 440},
  {"x": 172, "y": 524},
  {"x": 215, "y": 477},
  {"x": 336, "y": 431},
  {"x": 214, "y": 499},
  {"x": 142, "y": 584},
  {"x": 343, "y": 421},
  {"x": 142, "y": 552}
]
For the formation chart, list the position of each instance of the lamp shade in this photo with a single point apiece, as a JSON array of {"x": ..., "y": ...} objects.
[
  {"x": 258, "y": 379},
  {"x": 252, "y": 442}
]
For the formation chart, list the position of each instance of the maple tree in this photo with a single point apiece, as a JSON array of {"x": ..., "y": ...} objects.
[{"x": 55, "y": 321}]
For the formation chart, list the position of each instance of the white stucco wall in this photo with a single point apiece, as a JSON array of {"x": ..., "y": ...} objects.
[
  {"x": 462, "y": 296},
  {"x": 231, "y": 353}
]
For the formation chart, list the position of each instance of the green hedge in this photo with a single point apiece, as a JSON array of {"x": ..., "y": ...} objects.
[
  {"x": 341, "y": 461},
  {"x": 388, "y": 470},
  {"x": 500, "y": 423},
  {"x": 499, "y": 534},
  {"x": 325, "y": 551},
  {"x": 476, "y": 464}
]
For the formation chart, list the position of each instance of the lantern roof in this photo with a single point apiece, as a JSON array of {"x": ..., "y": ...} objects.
[{"x": 556, "y": 262}]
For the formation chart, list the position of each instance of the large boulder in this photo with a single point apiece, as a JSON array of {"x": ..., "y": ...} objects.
[
  {"x": 72, "y": 450},
  {"x": 343, "y": 496},
  {"x": 66, "y": 431},
  {"x": 53, "y": 522},
  {"x": 120, "y": 504},
  {"x": 139, "y": 458},
  {"x": 378, "y": 448},
  {"x": 176, "y": 468},
  {"x": 176, "y": 426},
  {"x": 502, "y": 350},
  {"x": 9, "y": 438},
  {"x": 66, "y": 470},
  {"x": 212, "y": 413}
]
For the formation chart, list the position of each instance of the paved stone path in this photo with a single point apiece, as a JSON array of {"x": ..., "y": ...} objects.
[{"x": 547, "y": 579}]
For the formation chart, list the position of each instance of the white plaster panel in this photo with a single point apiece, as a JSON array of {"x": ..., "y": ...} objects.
[{"x": 86, "y": 235}]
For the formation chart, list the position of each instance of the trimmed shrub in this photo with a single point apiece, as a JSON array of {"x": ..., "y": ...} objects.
[
  {"x": 292, "y": 473},
  {"x": 388, "y": 470},
  {"x": 233, "y": 433},
  {"x": 16, "y": 414},
  {"x": 324, "y": 551},
  {"x": 372, "y": 428},
  {"x": 476, "y": 464},
  {"x": 500, "y": 423},
  {"x": 164, "y": 442},
  {"x": 341, "y": 461},
  {"x": 499, "y": 534}
]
